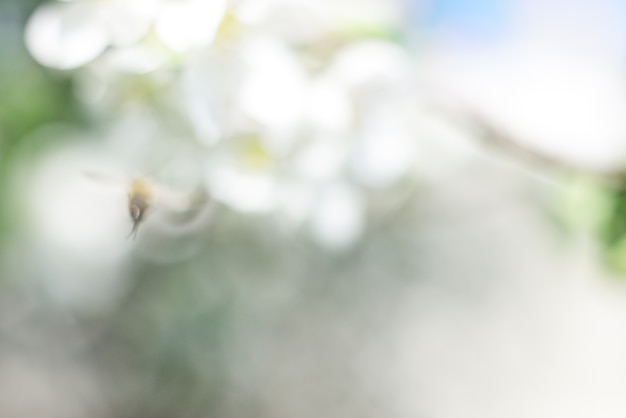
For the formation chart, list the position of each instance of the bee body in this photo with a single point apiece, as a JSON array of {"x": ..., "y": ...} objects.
[{"x": 140, "y": 198}]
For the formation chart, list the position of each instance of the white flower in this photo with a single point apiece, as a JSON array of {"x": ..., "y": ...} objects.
[{"x": 69, "y": 35}]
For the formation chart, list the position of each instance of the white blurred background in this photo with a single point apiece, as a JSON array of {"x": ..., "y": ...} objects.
[{"x": 409, "y": 208}]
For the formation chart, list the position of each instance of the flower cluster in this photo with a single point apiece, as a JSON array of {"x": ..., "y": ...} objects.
[{"x": 301, "y": 109}]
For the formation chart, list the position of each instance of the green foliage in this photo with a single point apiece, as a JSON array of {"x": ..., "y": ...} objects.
[
  {"x": 584, "y": 205},
  {"x": 613, "y": 232},
  {"x": 30, "y": 98},
  {"x": 589, "y": 206}
]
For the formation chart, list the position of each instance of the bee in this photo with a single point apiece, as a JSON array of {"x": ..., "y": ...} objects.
[
  {"x": 140, "y": 198},
  {"x": 143, "y": 195}
]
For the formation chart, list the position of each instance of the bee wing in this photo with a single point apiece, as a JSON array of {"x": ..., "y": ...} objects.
[
  {"x": 171, "y": 199},
  {"x": 111, "y": 182},
  {"x": 179, "y": 201}
]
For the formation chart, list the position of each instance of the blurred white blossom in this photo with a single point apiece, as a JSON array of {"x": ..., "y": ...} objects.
[
  {"x": 285, "y": 110},
  {"x": 274, "y": 87},
  {"x": 189, "y": 24},
  {"x": 66, "y": 36},
  {"x": 338, "y": 218}
]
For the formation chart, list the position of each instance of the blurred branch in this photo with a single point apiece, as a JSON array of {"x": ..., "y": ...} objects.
[{"x": 493, "y": 135}]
